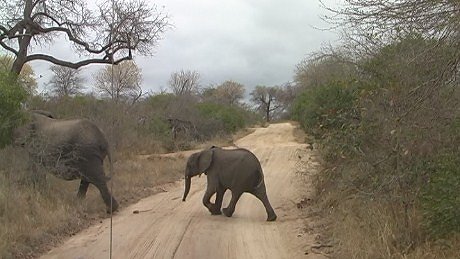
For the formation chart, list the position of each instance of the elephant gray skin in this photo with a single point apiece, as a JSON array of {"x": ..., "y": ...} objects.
[
  {"x": 238, "y": 170},
  {"x": 70, "y": 149}
]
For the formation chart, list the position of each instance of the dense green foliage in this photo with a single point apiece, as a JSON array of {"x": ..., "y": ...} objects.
[
  {"x": 12, "y": 95},
  {"x": 441, "y": 196},
  {"x": 230, "y": 117},
  {"x": 328, "y": 107},
  {"x": 328, "y": 113}
]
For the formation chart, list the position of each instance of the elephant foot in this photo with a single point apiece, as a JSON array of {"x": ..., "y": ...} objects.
[
  {"x": 213, "y": 209},
  {"x": 272, "y": 217},
  {"x": 227, "y": 212},
  {"x": 113, "y": 210},
  {"x": 114, "y": 207},
  {"x": 216, "y": 212}
]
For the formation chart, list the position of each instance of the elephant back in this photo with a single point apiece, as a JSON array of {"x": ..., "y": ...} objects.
[
  {"x": 240, "y": 161},
  {"x": 79, "y": 136}
]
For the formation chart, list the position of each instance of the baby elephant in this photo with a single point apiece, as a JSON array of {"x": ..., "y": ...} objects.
[{"x": 236, "y": 169}]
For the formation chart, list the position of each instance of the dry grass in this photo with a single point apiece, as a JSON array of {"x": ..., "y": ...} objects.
[
  {"x": 440, "y": 249},
  {"x": 35, "y": 218},
  {"x": 370, "y": 230},
  {"x": 363, "y": 227},
  {"x": 374, "y": 229}
]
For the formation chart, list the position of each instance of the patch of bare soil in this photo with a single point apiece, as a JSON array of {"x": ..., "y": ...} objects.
[{"x": 162, "y": 226}]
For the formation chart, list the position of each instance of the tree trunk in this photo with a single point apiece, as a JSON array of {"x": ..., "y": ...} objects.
[
  {"x": 23, "y": 41},
  {"x": 267, "y": 111}
]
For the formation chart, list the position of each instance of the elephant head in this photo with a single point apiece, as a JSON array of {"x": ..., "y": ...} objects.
[
  {"x": 22, "y": 133},
  {"x": 197, "y": 164}
]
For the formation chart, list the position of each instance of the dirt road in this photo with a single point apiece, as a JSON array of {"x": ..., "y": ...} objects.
[{"x": 166, "y": 227}]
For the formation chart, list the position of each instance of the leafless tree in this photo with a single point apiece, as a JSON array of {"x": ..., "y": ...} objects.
[
  {"x": 427, "y": 17},
  {"x": 371, "y": 24},
  {"x": 230, "y": 92},
  {"x": 107, "y": 35},
  {"x": 184, "y": 83},
  {"x": 65, "y": 81},
  {"x": 269, "y": 100},
  {"x": 125, "y": 83}
]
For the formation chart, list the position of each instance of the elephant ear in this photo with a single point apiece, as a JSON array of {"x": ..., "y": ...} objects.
[{"x": 205, "y": 160}]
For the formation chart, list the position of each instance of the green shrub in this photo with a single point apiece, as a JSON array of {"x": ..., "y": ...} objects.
[
  {"x": 159, "y": 127},
  {"x": 12, "y": 95},
  {"x": 441, "y": 196},
  {"x": 329, "y": 107},
  {"x": 232, "y": 118}
]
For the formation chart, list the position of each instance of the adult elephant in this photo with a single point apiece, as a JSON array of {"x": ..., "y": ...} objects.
[
  {"x": 238, "y": 170},
  {"x": 70, "y": 149}
]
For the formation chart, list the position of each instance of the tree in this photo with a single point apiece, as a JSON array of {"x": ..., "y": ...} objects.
[
  {"x": 395, "y": 18},
  {"x": 109, "y": 35},
  {"x": 370, "y": 25},
  {"x": 230, "y": 92},
  {"x": 26, "y": 77},
  {"x": 12, "y": 96},
  {"x": 65, "y": 81},
  {"x": 269, "y": 100},
  {"x": 322, "y": 68},
  {"x": 209, "y": 94},
  {"x": 126, "y": 84},
  {"x": 184, "y": 83}
]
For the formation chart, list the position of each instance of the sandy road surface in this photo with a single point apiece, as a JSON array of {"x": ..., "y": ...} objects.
[{"x": 166, "y": 227}]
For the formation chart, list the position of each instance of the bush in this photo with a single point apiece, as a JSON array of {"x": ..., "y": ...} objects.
[
  {"x": 328, "y": 113},
  {"x": 329, "y": 107},
  {"x": 231, "y": 118},
  {"x": 159, "y": 128},
  {"x": 12, "y": 95},
  {"x": 441, "y": 196}
]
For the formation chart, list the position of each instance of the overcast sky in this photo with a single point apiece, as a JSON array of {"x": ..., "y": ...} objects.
[{"x": 253, "y": 42}]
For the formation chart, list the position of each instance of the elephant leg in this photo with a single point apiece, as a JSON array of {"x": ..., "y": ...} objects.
[
  {"x": 94, "y": 173},
  {"x": 231, "y": 206},
  {"x": 82, "y": 189},
  {"x": 210, "y": 190},
  {"x": 219, "y": 198},
  {"x": 207, "y": 200},
  {"x": 261, "y": 194},
  {"x": 109, "y": 200}
]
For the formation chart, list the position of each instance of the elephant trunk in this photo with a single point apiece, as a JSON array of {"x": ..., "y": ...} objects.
[{"x": 188, "y": 181}]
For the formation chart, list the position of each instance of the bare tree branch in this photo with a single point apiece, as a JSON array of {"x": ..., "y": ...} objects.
[
  {"x": 184, "y": 82},
  {"x": 109, "y": 34},
  {"x": 65, "y": 81},
  {"x": 126, "y": 82},
  {"x": 75, "y": 65}
]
